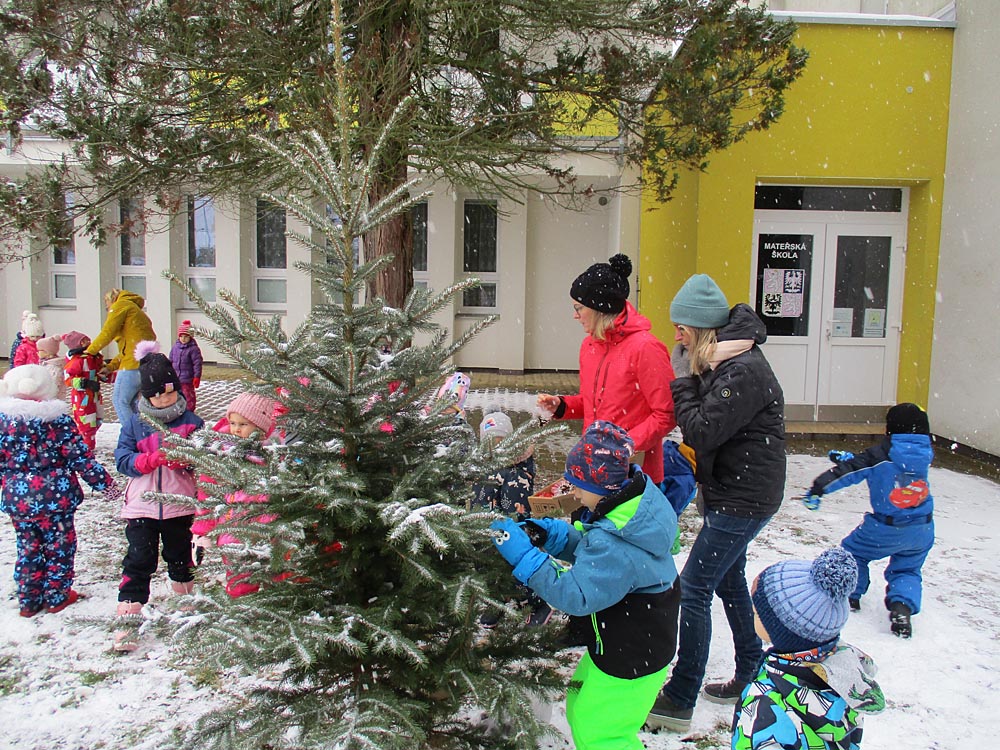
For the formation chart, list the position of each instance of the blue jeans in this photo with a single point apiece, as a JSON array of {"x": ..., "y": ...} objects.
[
  {"x": 126, "y": 389},
  {"x": 717, "y": 564}
]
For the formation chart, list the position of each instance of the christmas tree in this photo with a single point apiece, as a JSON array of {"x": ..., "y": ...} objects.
[{"x": 372, "y": 575}]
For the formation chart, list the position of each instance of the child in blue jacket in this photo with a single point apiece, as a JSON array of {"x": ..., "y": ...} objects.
[
  {"x": 900, "y": 525},
  {"x": 622, "y": 581}
]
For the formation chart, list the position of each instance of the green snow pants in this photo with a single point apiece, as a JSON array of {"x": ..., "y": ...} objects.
[{"x": 605, "y": 712}]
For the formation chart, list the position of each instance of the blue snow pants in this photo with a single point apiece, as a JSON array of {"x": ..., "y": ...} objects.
[
  {"x": 905, "y": 546},
  {"x": 46, "y": 554}
]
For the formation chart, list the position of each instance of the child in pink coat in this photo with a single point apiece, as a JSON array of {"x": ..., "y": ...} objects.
[
  {"x": 247, "y": 415},
  {"x": 31, "y": 330}
]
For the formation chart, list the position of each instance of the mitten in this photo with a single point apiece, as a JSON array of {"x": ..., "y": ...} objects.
[
  {"x": 113, "y": 492},
  {"x": 811, "y": 501},
  {"x": 680, "y": 362},
  {"x": 196, "y": 382},
  {"x": 551, "y": 533},
  {"x": 516, "y": 548},
  {"x": 840, "y": 456},
  {"x": 147, "y": 463}
]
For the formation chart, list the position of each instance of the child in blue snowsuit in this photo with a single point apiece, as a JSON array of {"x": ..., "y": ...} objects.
[
  {"x": 900, "y": 525},
  {"x": 622, "y": 582},
  {"x": 41, "y": 454}
]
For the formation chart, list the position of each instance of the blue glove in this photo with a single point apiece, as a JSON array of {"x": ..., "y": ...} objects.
[
  {"x": 811, "y": 501},
  {"x": 517, "y": 549},
  {"x": 556, "y": 534},
  {"x": 840, "y": 456}
]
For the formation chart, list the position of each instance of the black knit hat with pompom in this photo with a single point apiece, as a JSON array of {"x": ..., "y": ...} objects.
[{"x": 604, "y": 286}]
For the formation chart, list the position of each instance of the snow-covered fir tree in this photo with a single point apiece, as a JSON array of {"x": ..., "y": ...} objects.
[{"x": 372, "y": 574}]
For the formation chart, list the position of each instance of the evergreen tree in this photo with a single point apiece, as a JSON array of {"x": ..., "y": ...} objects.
[
  {"x": 365, "y": 630},
  {"x": 159, "y": 99}
]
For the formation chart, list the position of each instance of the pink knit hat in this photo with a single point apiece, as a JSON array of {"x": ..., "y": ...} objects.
[
  {"x": 184, "y": 329},
  {"x": 49, "y": 346},
  {"x": 74, "y": 339},
  {"x": 258, "y": 410}
]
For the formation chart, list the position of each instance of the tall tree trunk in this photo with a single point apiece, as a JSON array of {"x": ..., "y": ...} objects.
[{"x": 395, "y": 237}]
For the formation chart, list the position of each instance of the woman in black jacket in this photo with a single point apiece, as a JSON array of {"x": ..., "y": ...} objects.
[{"x": 731, "y": 410}]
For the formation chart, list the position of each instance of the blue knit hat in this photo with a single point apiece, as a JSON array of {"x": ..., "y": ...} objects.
[
  {"x": 599, "y": 462},
  {"x": 700, "y": 304},
  {"x": 803, "y": 604}
]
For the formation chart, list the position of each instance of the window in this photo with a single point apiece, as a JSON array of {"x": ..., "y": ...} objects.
[
  {"x": 809, "y": 198},
  {"x": 131, "y": 247},
  {"x": 418, "y": 221},
  {"x": 201, "y": 246},
  {"x": 270, "y": 280},
  {"x": 479, "y": 256},
  {"x": 63, "y": 267}
]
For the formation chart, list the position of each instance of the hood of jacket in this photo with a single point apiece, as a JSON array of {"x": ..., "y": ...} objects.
[
  {"x": 21, "y": 408},
  {"x": 743, "y": 323},
  {"x": 629, "y": 321},
  {"x": 911, "y": 453},
  {"x": 127, "y": 296}
]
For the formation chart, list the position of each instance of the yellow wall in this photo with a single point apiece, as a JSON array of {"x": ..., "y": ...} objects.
[{"x": 870, "y": 109}]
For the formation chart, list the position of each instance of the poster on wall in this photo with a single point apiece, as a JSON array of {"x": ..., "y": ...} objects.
[{"x": 784, "y": 262}]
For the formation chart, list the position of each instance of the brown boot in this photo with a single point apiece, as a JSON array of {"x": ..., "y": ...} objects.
[{"x": 127, "y": 621}]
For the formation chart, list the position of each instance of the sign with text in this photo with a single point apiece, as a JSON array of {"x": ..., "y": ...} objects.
[{"x": 784, "y": 264}]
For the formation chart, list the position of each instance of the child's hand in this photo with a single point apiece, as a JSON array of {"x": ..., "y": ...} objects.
[
  {"x": 516, "y": 548},
  {"x": 811, "y": 501},
  {"x": 840, "y": 456},
  {"x": 196, "y": 382},
  {"x": 113, "y": 492},
  {"x": 147, "y": 463},
  {"x": 556, "y": 534}
]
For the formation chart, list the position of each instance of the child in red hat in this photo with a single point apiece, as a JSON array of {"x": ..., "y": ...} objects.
[{"x": 82, "y": 373}]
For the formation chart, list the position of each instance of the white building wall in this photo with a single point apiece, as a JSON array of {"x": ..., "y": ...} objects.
[{"x": 964, "y": 402}]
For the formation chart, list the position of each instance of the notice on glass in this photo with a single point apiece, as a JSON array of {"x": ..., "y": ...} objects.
[
  {"x": 843, "y": 322},
  {"x": 784, "y": 292},
  {"x": 874, "y": 325},
  {"x": 783, "y": 267}
]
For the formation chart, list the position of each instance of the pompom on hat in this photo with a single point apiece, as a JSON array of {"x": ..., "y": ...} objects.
[
  {"x": 604, "y": 286},
  {"x": 156, "y": 373},
  {"x": 700, "y": 304},
  {"x": 599, "y": 462},
  {"x": 802, "y": 604},
  {"x": 259, "y": 410},
  {"x": 907, "y": 418},
  {"x": 184, "y": 329},
  {"x": 49, "y": 346},
  {"x": 31, "y": 325},
  {"x": 29, "y": 382},
  {"x": 495, "y": 424},
  {"x": 74, "y": 340}
]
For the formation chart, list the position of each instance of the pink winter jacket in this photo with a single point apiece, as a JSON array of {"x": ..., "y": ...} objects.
[{"x": 625, "y": 379}]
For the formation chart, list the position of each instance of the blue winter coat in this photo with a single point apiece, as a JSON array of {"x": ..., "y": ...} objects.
[
  {"x": 894, "y": 464},
  {"x": 622, "y": 578},
  {"x": 41, "y": 453}
]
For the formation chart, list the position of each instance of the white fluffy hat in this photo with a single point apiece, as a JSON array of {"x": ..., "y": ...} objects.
[
  {"x": 31, "y": 325},
  {"x": 31, "y": 382}
]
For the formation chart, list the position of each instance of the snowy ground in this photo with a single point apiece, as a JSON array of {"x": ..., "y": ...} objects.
[{"x": 61, "y": 687}]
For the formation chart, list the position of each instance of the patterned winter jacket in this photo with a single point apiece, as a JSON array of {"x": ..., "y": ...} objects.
[
  {"x": 813, "y": 700},
  {"x": 734, "y": 418},
  {"x": 40, "y": 455},
  {"x": 186, "y": 359},
  {"x": 503, "y": 490},
  {"x": 896, "y": 472},
  {"x": 136, "y": 438},
  {"x": 625, "y": 379},
  {"x": 81, "y": 372},
  {"x": 622, "y": 580},
  {"x": 126, "y": 325}
]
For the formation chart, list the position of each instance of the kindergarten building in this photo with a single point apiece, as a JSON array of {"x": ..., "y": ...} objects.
[{"x": 833, "y": 224}]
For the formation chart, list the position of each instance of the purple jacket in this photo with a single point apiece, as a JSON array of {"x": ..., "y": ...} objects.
[
  {"x": 136, "y": 438},
  {"x": 186, "y": 359}
]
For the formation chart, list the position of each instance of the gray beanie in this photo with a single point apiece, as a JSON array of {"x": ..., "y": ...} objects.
[
  {"x": 495, "y": 424},
  {"x": 700, "y": 304}
]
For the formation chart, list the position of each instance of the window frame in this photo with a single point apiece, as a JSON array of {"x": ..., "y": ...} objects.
[
  {"x": 192, "y": 274},
  {"x": 125, "y": 240},
  {"x": 486, "y": 278},
  {"x": 266, "y": 273},
  {"x": 421, "y": 276},
  {"x": 64, "y": 269}
]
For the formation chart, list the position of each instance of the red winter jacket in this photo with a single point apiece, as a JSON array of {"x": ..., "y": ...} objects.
[{"x": 625, "y": 379}]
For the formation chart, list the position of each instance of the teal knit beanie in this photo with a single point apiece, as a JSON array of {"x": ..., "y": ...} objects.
[{"x": 700, "y": 304}]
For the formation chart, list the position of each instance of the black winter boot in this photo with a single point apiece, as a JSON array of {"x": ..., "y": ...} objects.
[{"x": 899, "y": 619}]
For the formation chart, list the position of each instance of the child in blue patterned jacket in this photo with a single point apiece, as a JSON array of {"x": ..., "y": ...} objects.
[
  {"x": 813, "y": 690},
  {"x": 41, "y": 453}
]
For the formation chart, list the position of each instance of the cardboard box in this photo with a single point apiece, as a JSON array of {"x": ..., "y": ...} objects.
[{"x": 555, "y": 500}]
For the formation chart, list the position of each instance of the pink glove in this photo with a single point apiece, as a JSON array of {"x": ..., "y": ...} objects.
[
  {"x": 113, "y": 492},
  {"x": 147, "y": 463}
]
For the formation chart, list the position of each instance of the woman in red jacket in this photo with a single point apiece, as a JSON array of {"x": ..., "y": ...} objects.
[{"x": 625, "y": 370}]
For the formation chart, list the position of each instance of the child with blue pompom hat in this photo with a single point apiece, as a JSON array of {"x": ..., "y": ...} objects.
[{"x": 812, "y": 687}]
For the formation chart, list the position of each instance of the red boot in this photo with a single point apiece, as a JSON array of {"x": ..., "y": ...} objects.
[{"x": 72, "y": 598}]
